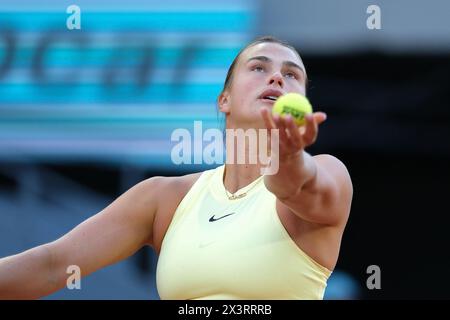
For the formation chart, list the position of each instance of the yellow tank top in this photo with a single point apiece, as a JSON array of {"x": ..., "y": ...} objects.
[{"x": 216, "y": 248}]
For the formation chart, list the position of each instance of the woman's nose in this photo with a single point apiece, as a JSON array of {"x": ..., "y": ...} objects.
[{"x": 276, "y": 79}]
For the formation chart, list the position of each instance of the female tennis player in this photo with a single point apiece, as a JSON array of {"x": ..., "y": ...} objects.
[{"x": 228, "y": 232}]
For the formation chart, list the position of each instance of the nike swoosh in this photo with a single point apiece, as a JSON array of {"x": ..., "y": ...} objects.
[{"x": 212, "y": 218}]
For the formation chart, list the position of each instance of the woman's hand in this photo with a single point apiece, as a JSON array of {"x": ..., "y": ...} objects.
[{"x": 293, "y": 139}]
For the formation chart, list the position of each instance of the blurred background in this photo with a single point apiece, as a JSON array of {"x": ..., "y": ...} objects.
[{"x": 86, "y": 114}]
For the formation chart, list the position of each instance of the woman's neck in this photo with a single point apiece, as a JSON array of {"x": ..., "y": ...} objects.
[
  {"x": 245, "y": 159},
  {"x": 237, "y": 176}
]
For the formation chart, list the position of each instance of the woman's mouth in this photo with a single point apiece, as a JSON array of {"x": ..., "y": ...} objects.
[
  {"x": 269, "y": 99},
  {"x": 270, "y": 95}
]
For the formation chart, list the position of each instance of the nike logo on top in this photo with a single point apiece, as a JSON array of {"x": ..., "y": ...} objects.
[{"x": 212, "y": 219}]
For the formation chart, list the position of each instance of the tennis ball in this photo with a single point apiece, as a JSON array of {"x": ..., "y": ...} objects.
[{"x": 294, "y": 104}]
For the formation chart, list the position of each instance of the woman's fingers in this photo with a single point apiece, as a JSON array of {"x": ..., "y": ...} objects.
[
  {"x": 294, "y": 134},
  {"x": 268, "y": 120},
  {"x": 320, "y": 117},
  {"x": 310, "y": 135},
  {"x": 279, "y": 122}
]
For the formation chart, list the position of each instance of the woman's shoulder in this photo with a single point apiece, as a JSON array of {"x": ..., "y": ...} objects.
[
  {"x": 182, "y": 184},
  {"x": 175, "y": 184},
  {"x": 171, "y": 190}
]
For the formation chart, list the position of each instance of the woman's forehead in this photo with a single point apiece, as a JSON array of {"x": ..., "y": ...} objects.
[{"x": 273, "y": 51}]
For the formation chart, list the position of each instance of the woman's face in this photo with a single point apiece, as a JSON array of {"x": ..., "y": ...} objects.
[{"x": 263, "y": 72}]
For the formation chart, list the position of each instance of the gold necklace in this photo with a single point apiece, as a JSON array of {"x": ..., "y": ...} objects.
[{"x": 243, "y": 194}]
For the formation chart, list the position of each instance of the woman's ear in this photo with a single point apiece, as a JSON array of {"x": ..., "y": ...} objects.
[{"x": 223, "y": 102}]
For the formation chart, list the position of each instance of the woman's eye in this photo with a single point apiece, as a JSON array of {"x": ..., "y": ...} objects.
[
  {"x": 290, "y": 75},
  {"x": 258, "y": 69}
]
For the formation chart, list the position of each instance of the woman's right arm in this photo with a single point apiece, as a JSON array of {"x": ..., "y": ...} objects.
[{"x": 113, "y": 234}]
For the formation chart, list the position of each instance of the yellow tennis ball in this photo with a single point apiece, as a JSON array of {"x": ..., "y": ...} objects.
[{"x": 294, "y": 104}]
